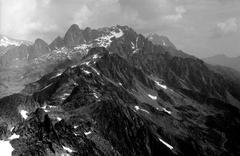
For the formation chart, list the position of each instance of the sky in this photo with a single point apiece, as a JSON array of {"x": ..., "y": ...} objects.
[{"x": 199, "y": 27}]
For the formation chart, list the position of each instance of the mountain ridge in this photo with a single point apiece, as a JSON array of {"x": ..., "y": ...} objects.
[
  {"x": 111, "y": 91},
  {"x": 223, "y": 60}
]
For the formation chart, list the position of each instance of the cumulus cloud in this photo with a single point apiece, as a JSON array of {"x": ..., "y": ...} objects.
[
  {"x": 26, "y": 18},
  {"x": 189, "y": 23},
  {"x": 228, "y": 26},
  {"x": 179, "y": 11}
]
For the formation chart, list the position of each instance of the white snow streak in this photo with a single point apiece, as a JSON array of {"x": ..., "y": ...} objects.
[
  {"x": 165, "y": 143},
  {"x": 67, "y": 149},
  {"x": 95, "y": 70},
  {"x": 95, "y": 56},
  {"x": 75, "y": 126},
  {"x": 164, "y": 44},
  {"x": 14, "y": 136},
  {"x": 87, "y": 133},
  {"x": 165, "y": 110},
  {"x": 152, "y": 97},
  {"x": 95, "y": 95},
  {"x": 161, "y": 85},
  {"x": 87, "y": 72},
  {"x": 58, "y": 74},
  {"x": 138, "y": 108}
]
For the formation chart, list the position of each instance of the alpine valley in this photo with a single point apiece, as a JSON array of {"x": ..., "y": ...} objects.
[{"x": 114, "y": 92}]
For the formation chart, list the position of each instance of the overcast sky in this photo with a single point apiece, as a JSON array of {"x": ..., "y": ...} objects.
[{"x": 199, "y": 27}]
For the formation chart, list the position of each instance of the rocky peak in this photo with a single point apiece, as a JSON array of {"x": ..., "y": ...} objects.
[
  {"x": 161, "y": 40},
  {"x": 73, "y": 36},
  {"x": 40, "y": 43},
  {"x": 40, "y": 47},
  {"x": 57, "y": 43}
]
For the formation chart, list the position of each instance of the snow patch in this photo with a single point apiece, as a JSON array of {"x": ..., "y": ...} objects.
[
  {"x": 135, "y": 51},
  {"x": 74, "y": 66},
  {"x": 164, "y": 44},
  {"x": 87, "y": 63},
  {"x": 166, "y": 144},
  {"x": 105, "y": 40},
  {"x": 87, "y": 72},
  {"x": 95, "y": 56},
  {"x": 144, "y": 110},
  {"x": 11, "y": 129},
  {"x": 95, "y": 95},
  {"x": 87, "y": 133},
  {"x": 64, "y": 96},
  {"x": 58, "y": 74},
  {"x": 165, "y": 110},
  {"x": 24, "y": 114},
  {"x": 67, "y": 149},
  {"x": 161, "y": 85},
  {"x": 137, "y": 107},
  {"x": 133, "y": 46},
  {"x": 59, "y": 119},
  {"x": 152, "y": 97},
  {"x": 45, "y": 108},
  {"x": 52, "y": 106},
  {"x": 137, "y": 41},
  {"x": 14, "y": 136},
  {"x": 6, "y": 148},
  {"x": 83, "y": 47},
  {"x": 76, "y": 134},
  {"x": 118, "y": 34},
  {"x": 95, "y": 70},
  {"x": 75, "y": 126}
]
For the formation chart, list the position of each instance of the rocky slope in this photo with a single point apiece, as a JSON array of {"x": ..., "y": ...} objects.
[{"x": 122, "y": 95}]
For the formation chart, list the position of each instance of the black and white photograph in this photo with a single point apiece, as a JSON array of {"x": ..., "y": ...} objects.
[{"x": 119, "y": 77}]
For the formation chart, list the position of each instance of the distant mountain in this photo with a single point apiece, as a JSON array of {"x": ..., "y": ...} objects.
[
  {"x": 223, "y": 60},
  {"x": 22, "y": 52},
  {"x": 6, "y": 41}
]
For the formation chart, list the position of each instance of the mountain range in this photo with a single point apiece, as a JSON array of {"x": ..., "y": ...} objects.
[
  {"x": 223, "y": 60},
  {"x": 112, "y": 91}
]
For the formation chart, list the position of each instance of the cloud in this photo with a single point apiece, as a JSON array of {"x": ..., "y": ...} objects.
[
  {"x": 26, "y": 19},
  {"x": 228, "y": 26},
  {"x": 179, "y": 11},
  {"x": 191, "y": 24}
]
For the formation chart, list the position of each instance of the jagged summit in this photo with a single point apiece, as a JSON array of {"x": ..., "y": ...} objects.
[
  {"x": 73, "y": 36},
  {"x": 6, "y": 41},
  {"x": 40, "y": 42},
  {"x": 57, "y": 43},
  {"x": 76, "y": 38}
]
